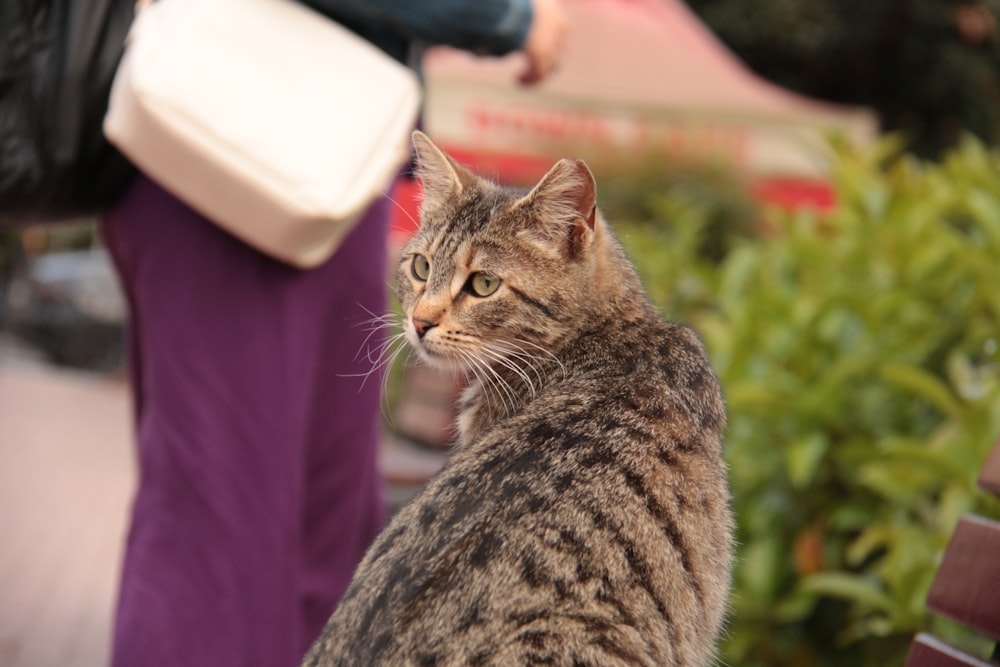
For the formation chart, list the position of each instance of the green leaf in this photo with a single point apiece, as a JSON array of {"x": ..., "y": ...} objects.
[
  {"x": 918, "y": 452},
  {"x": 758, "y": 569},
  {"x": 923, "y": 384},
  {"x": 986, "y": 207},
  {"x": 803, "y": 458},
  {"x": 896, "y": 481},
  {"x": 871, "y": 538},
  {"x": 849, "y": 587}
]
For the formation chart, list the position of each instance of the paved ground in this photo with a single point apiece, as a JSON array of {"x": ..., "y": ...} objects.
[
  {"x": 65, "y": 480},
  {"x": 66, "y": 477}
]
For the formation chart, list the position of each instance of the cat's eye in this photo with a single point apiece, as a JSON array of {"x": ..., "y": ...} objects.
[
  {"x": 483, "y": 284},
  {"x": 421, "y": 267}
]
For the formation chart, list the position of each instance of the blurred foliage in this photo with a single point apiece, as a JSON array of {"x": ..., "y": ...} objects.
[
  {"x": 633, "y": 186},
  {"x": 858, "y": 351},
  {"x": 930, "y": 68}
]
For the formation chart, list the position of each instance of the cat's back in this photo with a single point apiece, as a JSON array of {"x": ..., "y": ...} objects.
[{"x": 591, "y": 527}]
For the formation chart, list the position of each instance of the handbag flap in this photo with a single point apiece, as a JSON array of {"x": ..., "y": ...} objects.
[{"x": 269, "y": 98}]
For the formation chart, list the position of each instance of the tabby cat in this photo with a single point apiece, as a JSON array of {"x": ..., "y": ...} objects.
[{"x": 584, "y": 517}]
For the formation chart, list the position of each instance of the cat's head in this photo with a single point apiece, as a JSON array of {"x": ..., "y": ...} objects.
[{"x": 493, "y": 272}]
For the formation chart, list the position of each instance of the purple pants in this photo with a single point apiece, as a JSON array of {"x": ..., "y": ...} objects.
[{"x": 258, "y": 490}]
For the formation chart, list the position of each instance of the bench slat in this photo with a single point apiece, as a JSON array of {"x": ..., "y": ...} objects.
[
  {"x": 967, "y": 585},
  {"x": 989, "y": 479},
  {"x": 926, "y": 651}
]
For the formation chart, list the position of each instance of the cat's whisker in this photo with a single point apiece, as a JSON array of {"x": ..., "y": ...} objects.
[
  {"x": 367, "y": 349},
  {"x": 473, "y": 373},
  {"x": 373, "y": 354},
  {"x": 375, "y": 324},
  {"x": 509, "y": 394},
  {"x": 386, "y": 408},
  {"x": 397, "y": 341},
  {"x": 532, "y": 361},
  {"x": 546, "y": 353},
  {"x": 383, "y": 322},
  {"x": 479, "y": 371},
  {"x": 506, "y": 362},
  {"x": 402, "y": 209},
  {"x": 382, "y": 360},
  {"x": 496, "y": 388},
  {"x": 387, "y": 351},
  {"x": 375, "y": 317},
  {"x": 505, "y": 393}
]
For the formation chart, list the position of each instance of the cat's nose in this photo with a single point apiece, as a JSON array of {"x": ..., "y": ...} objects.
[{"x": 422, "y": 326}]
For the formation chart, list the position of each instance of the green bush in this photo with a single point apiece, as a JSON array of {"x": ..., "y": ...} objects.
[
  {"x": 633, "y": 186},
  {"x": 858, "y": 350}
]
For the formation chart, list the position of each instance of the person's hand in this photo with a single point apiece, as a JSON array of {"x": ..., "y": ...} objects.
[{"x": 545, "y": 42}]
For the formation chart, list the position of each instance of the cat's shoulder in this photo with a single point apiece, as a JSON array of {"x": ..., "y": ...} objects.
[{"x": 651, "y": 338}]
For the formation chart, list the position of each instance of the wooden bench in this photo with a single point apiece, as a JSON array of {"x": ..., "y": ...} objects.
[{"x": 966, "y": 588}]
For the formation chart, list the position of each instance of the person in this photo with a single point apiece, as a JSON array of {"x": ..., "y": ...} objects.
[{"x": 258, "y": 490}]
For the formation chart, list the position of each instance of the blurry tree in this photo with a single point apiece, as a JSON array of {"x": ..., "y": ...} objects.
[{"x": 930, "y": 68}]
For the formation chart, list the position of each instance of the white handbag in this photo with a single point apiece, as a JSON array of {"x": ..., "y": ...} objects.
[{"x": 273, "y": 121}]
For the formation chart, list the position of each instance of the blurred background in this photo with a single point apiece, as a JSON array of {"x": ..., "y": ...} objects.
[{"x": 813, "y": 185}]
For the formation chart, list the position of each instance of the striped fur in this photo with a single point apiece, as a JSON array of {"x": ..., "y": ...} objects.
[{"x": 584, "y": 517}]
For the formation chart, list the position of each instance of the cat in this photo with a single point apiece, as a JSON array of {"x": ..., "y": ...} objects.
[{"x": 584, "y": 516}]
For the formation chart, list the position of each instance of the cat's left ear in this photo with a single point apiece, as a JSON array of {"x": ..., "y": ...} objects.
[{"x": 564, "y": 206}]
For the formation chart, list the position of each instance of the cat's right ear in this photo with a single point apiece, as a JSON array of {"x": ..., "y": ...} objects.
[{"x": 443, "y": 178}]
